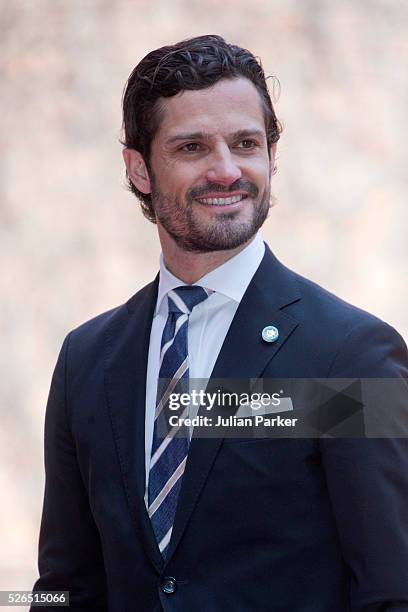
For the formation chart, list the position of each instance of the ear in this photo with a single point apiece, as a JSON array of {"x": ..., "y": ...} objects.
[
  {"x": 136, "y": 170},
  {"x": 272, "y": 156}
]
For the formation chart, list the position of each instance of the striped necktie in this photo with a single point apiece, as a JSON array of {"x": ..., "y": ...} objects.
[{"x": 169, "y": 453}]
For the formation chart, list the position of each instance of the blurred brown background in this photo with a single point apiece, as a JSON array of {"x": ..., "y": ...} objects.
[{"x": 74, "y": 242}]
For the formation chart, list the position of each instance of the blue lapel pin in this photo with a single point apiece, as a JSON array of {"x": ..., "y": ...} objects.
[{"x": 270, "y": 333}]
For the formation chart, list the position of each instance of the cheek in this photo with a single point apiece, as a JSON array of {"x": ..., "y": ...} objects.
[
  {"x": 182, "y": 179},
  {"x": 258, "y": 169},
  {"x": 175, "y": 175}
]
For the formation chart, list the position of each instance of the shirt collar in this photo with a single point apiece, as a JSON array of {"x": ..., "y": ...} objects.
[{"x": 231, "y": 279}]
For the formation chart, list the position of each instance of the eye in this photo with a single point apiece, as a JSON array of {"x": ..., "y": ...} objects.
[
  {"x": 191, "y": 147},
  {"x": 247, "y": 144}
]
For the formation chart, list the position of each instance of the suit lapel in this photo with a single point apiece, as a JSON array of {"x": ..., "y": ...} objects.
[
  {"x": 243, "y": 355},
  {"x": 127, "y": 347}
]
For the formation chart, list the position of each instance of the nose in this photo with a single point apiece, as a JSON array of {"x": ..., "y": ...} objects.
[{"x": 223, "y": 168}]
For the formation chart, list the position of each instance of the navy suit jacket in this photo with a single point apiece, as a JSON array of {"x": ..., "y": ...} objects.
[{"x": 265, "y": 525}]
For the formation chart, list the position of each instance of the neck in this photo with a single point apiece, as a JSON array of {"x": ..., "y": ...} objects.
[{"x": 189, "y": 266}]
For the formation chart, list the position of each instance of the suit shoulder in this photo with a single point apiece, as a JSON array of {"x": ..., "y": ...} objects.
[
  {"x": 329, "y": 307},
  {"x": 358, "y": 335},
  {"x": 93, "y": 331},
  {"x": 306, "y": 299},
  {"x": 96, "y": 324}
]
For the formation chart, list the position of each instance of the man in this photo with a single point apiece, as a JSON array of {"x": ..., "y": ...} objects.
[{"x": 134, "y": 521}]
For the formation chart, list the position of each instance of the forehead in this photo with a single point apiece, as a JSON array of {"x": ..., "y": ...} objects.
[{"x": 229, "y": 105}]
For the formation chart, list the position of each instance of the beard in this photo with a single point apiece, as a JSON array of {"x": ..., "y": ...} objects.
[{"x": 193, "y": 233}]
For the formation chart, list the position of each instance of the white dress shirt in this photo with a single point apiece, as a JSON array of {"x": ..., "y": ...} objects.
[{"x": 208, "y": 323}]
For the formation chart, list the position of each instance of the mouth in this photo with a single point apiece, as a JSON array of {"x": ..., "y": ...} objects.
[{"x": 222, "y": 201}]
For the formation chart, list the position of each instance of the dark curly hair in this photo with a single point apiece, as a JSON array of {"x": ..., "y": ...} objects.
[{"x": 196, "y": 63}]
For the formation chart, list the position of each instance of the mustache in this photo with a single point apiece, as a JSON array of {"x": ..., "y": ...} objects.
[{"x": 239, "y": 185}]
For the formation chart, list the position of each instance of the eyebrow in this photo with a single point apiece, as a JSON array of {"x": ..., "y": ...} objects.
[{"x": 206, "y": 137}]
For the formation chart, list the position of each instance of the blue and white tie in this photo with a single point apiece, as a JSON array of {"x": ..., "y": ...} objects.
[{"x": 169, "y": 453}]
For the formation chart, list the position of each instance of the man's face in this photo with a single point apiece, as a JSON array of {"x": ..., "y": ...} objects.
[{"x": 210, "y": 168}]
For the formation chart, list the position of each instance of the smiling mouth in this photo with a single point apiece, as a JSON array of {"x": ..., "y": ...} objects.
[{"x": 223, "y": 201}]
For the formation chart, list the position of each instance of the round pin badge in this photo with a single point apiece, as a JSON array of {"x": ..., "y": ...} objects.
[{"x": 270, "y": 333}]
